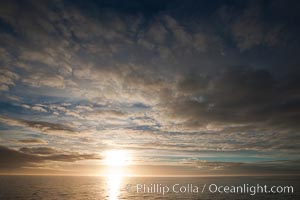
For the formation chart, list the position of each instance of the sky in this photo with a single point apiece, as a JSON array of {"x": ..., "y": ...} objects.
[{"x": 185, "y": 87}]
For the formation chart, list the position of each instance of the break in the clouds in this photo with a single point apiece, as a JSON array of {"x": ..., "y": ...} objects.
[{"x": 190, "y": 85}]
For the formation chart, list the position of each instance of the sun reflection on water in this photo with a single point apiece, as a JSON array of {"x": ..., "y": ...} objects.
[
  {"x": 113, "y": 183},
  {"x": 115, "y": 160}
]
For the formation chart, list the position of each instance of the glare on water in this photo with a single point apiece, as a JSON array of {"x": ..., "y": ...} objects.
[
  {"x": 116, "y": 160},
  {"x": 113, "y": 184}
]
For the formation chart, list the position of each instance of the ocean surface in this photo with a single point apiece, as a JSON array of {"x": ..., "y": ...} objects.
[{"x": 117, "y": 188}]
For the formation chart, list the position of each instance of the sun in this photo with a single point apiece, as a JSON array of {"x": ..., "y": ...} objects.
[{"x": 116, "y": 158}]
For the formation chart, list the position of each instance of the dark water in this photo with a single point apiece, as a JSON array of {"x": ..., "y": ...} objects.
[{"x": 117, "y": 188}]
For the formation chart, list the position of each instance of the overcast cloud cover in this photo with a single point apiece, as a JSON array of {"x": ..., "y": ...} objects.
[{"x": 208, "y": 86}]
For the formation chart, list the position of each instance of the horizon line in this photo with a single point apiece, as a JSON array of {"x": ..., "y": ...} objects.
[{"x": 154, "y": 176}]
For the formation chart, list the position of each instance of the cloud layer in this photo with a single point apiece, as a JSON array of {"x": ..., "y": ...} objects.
[{"x": 209, "y": 82}]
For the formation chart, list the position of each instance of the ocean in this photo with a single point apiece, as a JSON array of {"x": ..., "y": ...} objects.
[{"x": 122, "y": 188}]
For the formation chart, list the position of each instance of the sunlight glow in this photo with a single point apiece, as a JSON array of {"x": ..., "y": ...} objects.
[
  {"x": 114, "y": 183},
  {"x": 116, "y": 158},
  {"x": 116, "y": 161}
]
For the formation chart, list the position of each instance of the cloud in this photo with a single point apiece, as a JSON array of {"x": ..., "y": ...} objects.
[
  {"x": 42, "y": 80},
  {"x": 38, "y": 108},
  {"x": 180, "y": 79},
  {"x": 15, "y": 159},
  {"x": 11, "y": 158},
  {"x": 249, "y": 29},
  {"x": 32, "y": 141},
  {"x": 235, "y": 95},
  {"x": 254, "y": 168},
  {"x": 40, "y": 126},
  {"x": 39, "y": 150},
  {"x": 7, "y": 78}
]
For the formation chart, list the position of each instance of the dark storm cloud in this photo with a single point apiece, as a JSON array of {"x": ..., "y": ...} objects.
[{"x": 23, "y": 157}]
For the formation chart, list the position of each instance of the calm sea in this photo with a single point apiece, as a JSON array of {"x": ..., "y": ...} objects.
[{"x": 117, "y": 188}]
